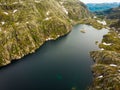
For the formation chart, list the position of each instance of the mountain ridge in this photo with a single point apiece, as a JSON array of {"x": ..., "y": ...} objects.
[{"x": 93, "y": 7}]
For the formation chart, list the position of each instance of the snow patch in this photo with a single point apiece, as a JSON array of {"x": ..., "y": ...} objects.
[
  {"x": 95, "y": 17},
  {"x": 102, "y": 22},
  {"x": 107, "y": 44},
  {"x": 15, "y": 11},
  {"x": 58, "y": 35},
  {"x": 113, "y": 65},
  {"x": 2, "y": 23},
  {"x": 49, "y": 39},
  {"x": 102, "y": 49},
  {"x": 64, "y": 9},
  {"x": 27, "y": 22},
  {"x": 6, "y": 13},
  {"x": 48, "y": 18},
  {"x": 100, "y": 76}
]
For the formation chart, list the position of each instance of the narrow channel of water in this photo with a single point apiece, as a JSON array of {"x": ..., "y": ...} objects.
[{"x": 63, "y": 64}]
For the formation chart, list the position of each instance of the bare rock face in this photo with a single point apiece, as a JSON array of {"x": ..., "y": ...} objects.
[{"x": 26, "y": 24}]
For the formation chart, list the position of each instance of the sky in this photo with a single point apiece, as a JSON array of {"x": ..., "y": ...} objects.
[{"x": 99, "y": 1}]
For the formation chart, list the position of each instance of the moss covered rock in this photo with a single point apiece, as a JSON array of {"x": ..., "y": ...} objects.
[
  {"x": 26, "y": 24},
  {"x": 106, "y": 70}
]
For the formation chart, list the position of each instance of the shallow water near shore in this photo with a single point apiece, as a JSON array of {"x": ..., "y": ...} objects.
[{"x": 63, "y": 64}]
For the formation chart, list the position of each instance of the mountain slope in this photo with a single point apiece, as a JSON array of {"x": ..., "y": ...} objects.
[
  {"x": 76, "y": 9},
  {"x": 112, "y": 16},
  {"x": 113, "y": 13},
  {"x": 26, "y": 24}
]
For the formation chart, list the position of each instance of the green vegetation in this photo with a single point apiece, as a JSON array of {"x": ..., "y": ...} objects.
[
  {"x": 107, "y": 63},
  {"x": 26, "y": 24},
  {"x": 113, "y": 41},
  {"x": 107, "y": 60},
  {"x": 112, "y": 16},
  {"x": 106, "y": 70},
  {"x": 77, "y": 10},
  {"x": 93, "y": 22}
]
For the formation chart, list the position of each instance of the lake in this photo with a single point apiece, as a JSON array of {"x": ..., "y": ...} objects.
[{"x": 63, "y": 64}]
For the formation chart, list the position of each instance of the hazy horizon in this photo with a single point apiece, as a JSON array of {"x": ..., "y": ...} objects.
[{"x": 100, "y": 1}]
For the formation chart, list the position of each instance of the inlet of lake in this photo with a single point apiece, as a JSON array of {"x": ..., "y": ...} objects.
[{"x": 63, "y": 64}]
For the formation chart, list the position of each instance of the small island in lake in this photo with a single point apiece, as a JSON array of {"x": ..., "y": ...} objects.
[{"x": 82, "y": 31}]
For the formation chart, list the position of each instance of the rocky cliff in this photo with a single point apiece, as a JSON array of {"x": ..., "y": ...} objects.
[{"x": 26, "y": 24}]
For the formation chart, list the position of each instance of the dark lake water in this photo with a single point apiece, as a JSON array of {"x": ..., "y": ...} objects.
[{"x": 63, "y": 64}]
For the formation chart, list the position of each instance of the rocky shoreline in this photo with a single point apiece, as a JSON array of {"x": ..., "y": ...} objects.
[{"x": 106, "y": 70}]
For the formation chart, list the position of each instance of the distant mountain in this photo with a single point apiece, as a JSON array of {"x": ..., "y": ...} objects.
[
  {"x": 113, "y": 13},
  {"x": 101, "y": 6}
]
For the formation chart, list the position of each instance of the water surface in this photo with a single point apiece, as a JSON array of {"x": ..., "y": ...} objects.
[{"x": 63, "y": 64}]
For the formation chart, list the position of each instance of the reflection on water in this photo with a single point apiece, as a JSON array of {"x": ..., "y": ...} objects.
[{"x": 63, "y": 64}]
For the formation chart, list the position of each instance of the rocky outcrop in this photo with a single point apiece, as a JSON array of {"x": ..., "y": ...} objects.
[
  {"x": 116, "y": 25},
  {"x": 106, "y": 70},
  {"x": 26, "y": 24},
  {"x": 105, "y": 57}
]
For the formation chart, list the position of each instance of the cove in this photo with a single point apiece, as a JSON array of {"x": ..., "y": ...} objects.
[{"x": 63, "y": 64}]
